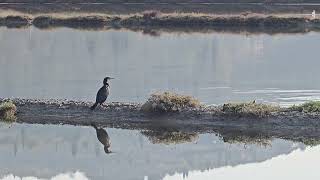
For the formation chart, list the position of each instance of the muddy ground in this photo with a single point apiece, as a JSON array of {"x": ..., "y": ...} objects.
[{"x": 291, "y": 125}]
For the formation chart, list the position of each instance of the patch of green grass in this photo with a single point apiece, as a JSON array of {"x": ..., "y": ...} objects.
[
  {"x": 8, "y": 111},
  {"x": 169, "y": 102},
  {"x": 308, "y": 107},
  {"x": 249, "y": 109}
]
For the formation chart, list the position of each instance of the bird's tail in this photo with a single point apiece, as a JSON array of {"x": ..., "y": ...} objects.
[{"x": 94, "y": 106}]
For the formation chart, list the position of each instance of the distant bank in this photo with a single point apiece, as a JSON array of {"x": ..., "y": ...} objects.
[
  {"x": 153, "y": 22},
  {"x": 167, "y": 6}
]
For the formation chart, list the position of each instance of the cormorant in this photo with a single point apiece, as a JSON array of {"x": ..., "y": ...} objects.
[
  {"x": 103, "y": 137},
  {"x": 102, "y": 93}
]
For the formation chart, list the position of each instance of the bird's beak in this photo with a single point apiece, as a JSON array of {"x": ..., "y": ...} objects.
[{"x": 111, "y": 78}]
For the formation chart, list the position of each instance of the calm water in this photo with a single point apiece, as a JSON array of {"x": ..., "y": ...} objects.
[
  {"x": 216, "y": 68},
  {"x": 57, "y": 152}
]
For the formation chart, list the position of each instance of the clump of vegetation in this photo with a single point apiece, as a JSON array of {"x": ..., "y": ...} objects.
[
  {"x": 167, "y": 137},
  {"x": 150, "y": 14},
  {"x": 169, "y": 102},
  {"x": 249, "y": 109},
  {"x": 8, "y": 111},
  {"x": 308, "y": 107}
]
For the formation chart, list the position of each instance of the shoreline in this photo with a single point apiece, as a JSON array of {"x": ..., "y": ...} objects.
[
  {"x": 181, "y": 6},
  {"x": 153, "y": 23},
  {"x": 291, "y": 125}
]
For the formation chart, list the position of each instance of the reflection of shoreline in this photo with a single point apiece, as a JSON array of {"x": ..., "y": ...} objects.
[
  {"x": 36, "y": 150},
  {"x": 158, "y": 31},
  {"x": 209, "y": 152}
]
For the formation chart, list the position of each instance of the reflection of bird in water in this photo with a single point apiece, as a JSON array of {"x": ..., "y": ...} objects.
[
  {"x": 103, "y": 137},
  {"x": 102, "y": 94}
]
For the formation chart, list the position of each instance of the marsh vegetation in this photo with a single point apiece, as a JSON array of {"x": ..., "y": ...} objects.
[{"x": 170, "y": 137}]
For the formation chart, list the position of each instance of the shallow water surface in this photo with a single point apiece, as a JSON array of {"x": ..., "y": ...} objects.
[
  {"x": 216, "y": 68},
  {"x": 52, "y": 151}
]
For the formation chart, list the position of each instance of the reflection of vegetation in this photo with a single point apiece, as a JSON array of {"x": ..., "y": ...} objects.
[
  {"x": 261, "y": 140},
  {"x": 309, "y": 141},
  {"x": 258, "y": 140},
  {"x": 250, "y": 108},
  {"x": 309, "y": 107},
  {"x": 8, "y": 111},
  {"x": 169, "y": 102},
  {"x": 170, "y": 137}
]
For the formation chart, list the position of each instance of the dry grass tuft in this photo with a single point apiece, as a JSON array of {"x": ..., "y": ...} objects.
[
  {"x": 249, "y": 109},
  {"x": 308, "y": 107},
  {"x": 150, "y": 14},
  {"x": 8, "y": 111},
  {"x": 169, "y": 102}
]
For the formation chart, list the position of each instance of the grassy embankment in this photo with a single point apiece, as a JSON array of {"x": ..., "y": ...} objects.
[{"x": 154, "y": 20}]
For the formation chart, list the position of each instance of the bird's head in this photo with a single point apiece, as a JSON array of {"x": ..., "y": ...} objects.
[{"x": 106, "y": 79}]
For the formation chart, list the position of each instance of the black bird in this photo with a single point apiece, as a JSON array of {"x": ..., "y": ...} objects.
[
  {"x": 102, "y": 94},
  {"x": 103, "y": 137}
]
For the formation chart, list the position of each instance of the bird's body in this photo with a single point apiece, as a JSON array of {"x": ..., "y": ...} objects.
[
  {"x": 103, "y": 137},
  {"x": 102, "y": 94}
]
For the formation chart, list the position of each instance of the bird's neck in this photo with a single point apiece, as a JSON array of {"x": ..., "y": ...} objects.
[{"x": 106, "y": 85}]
